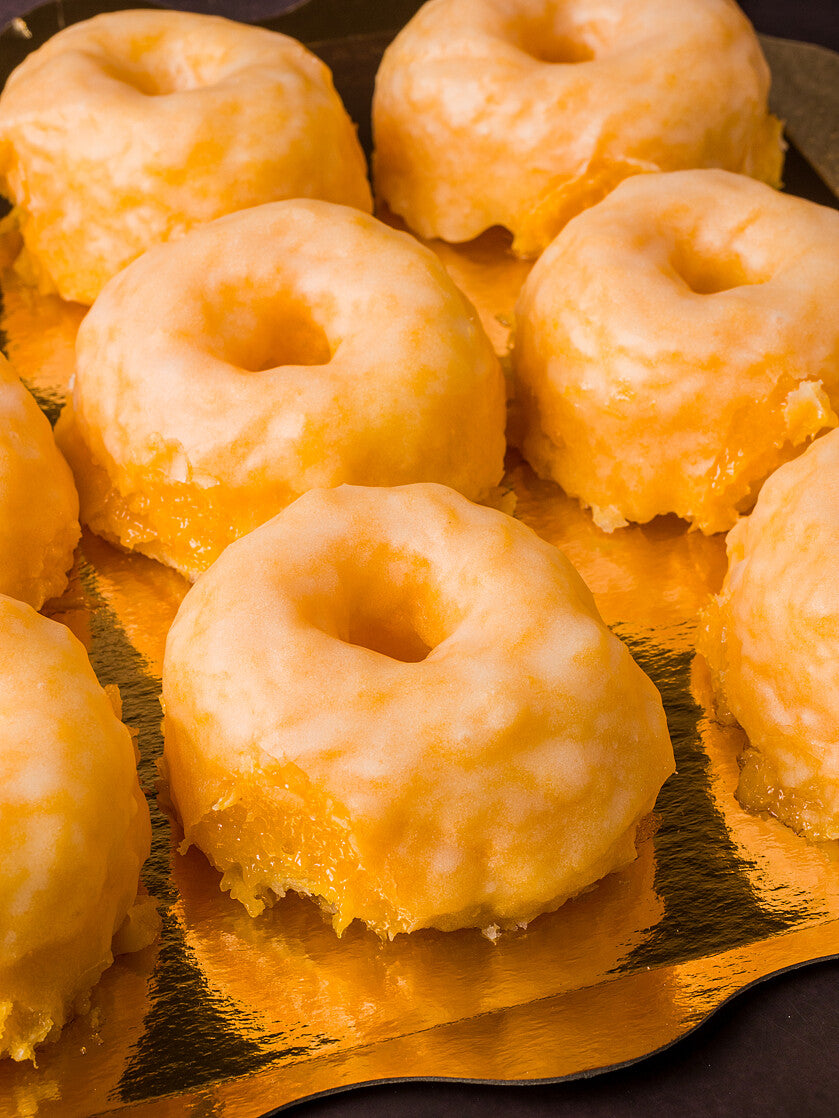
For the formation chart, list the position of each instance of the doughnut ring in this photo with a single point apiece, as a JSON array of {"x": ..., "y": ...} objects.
[
  {"x": 74, "y": 831},
  {"x": 676, "y": 343},
  {"x": 132, "y": 127},
  {"x": 521, "y": 113},
  {"x": 772, "y": 641},
  {"x": 296, "y": 344},
  {"x": 39, "y": 507},
  {"x": 406, "y": 706}
]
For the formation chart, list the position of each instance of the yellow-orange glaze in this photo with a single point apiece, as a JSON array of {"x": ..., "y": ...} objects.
[
  {"x": 39, "y": 508},
  {"x": 296, "y": 344},
  {"x": 132, "y": 127},
  {"x": 408, "y": 707},
  {"x": 74, "y": 831},
  {"x": 523, "y": 112},
  {"x": 772, "y": 641},
  {"x": 678, "y": 342}
]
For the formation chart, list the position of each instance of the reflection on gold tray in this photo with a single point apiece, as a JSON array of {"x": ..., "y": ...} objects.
[{"x": 229, "y": 1016}]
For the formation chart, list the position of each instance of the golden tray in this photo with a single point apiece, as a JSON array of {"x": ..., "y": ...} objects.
[{"x": 228, "y": 1016}]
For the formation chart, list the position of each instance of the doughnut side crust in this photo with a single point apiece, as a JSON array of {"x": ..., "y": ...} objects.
[
  {"x": 407, "y": 707},
  {"x": 74, "y": 829},
  {"x": 296, "y": 345},
  {"x": 521, "y": 113},
  {"x": 772, "y": 641},
  {"x": 39, "y": 506},
  {"x": 132, "y": 127},
  {"x": 676, "y": 343}
]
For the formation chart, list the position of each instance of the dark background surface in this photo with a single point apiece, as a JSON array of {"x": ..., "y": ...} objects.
[
  {"x": 814, "y": 21},
  {"x": 774, "y": 1050}
]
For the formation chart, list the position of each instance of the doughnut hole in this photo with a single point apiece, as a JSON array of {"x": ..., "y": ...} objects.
[
  {"x": 710, "y": 272},
  {"x": 557, "y": 34},
  {"x": 153, "y": 80},
  {"x": 259, "y": 333},
  {"x": 539, "y": 40},
  {"x": 392, "y": 636},
  {"x": 394, "y": 607},
  {"x": 158, "y": 65},
  {"x": 386, "y": 601}
]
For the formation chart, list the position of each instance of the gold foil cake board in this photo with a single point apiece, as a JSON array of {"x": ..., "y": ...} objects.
[{"x": 565, "y": 1035}]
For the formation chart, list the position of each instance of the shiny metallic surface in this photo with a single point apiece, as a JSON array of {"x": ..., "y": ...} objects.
[
  {"x": 226, "y": 1015},
  {"x": 805, "y": 95}
]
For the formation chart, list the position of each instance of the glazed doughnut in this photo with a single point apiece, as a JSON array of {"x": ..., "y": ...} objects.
[
  {"x": 295, "y": 345},
  {"x": 74, "y": 831},
  {"x": 678, "y": 342},
  {"x": 772, "y": 641},
  {"x": 132, "y": 127},
  {"x": 39, "y": 507},
  {"x": 521, "y": 113},
  {"x": 408, "y": 707}
]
